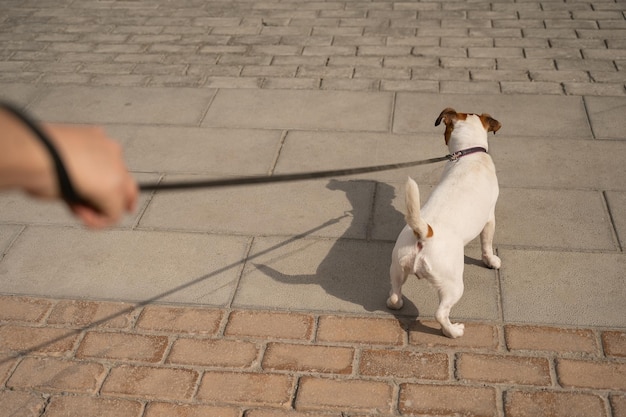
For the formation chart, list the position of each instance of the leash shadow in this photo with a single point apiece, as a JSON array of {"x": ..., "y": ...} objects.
[{"x": 134, "y": 307}]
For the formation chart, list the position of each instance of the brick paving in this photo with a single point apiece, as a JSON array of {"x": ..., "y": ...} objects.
[
  {"x": 64, "y": 355},
  {"x": 531, "y": 47},
  {"x": 258, "y": 363}
]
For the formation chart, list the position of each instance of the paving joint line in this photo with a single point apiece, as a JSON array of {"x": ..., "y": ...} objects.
[
  {"x": 281, "y": 144},
  {"x": 244, "y": 262},
  {"x": 609, "y": 211}
]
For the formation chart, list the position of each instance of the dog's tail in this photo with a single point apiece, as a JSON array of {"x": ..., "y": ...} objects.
[{"x": 413, "y": 218}]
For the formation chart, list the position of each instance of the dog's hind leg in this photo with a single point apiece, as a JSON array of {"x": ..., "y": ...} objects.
[
  {"x": 398, "y": 276},
  {"x": 449, "y": 294},
  {"x": 486, "y": 243}
]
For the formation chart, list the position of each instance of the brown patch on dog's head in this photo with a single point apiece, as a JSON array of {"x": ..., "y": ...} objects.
[{"x": 450, "y": 116}]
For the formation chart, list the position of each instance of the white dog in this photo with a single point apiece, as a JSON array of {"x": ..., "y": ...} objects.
[{"x": 461, "y": 207}]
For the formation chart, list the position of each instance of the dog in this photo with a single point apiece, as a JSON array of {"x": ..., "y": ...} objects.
[{"x": 462, "y": 206}]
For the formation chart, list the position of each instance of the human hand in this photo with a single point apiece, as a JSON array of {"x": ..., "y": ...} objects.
[{"x": 96, "y": 168}]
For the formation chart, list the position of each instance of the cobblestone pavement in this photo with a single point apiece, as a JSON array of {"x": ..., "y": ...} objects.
[
  {"x": 82, "y": 358},
  {"x": 545, "y": 47},
  {"x": 270, "y": 301}
]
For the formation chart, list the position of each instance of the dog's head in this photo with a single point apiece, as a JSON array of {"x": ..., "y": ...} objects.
[{"x": 451, "y": 117}]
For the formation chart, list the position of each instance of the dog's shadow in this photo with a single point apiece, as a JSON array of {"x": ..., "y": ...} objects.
[{"x": 355, "y": 270}]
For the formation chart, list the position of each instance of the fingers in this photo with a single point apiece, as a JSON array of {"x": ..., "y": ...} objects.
[
  {"x": 91, "y": 218},
  {"x": 131, "y": 193},
  {"x": 111, "y": 213}
]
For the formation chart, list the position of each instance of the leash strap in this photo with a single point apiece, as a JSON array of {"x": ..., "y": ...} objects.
[
  {"x": 68, "y": 192},
  {"x": 264, "y": 179}
]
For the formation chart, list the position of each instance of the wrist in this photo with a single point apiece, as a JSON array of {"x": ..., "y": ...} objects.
[{"x": 24, "y": 162}]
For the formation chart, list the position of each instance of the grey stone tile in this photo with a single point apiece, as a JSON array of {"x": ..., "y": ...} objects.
[
  {"x": 571, "y": 219},
  {"x": 312, "y": 151},
  {"x": 390, "y": 208},
  {"x": 608, "y": 116},
  {"x": 16, "y": 207},
  {"x": 565, "y": 219},
  {"x": 313, "y": 274},
  {"x": 18, "y": 94},
  {"x": 559, "y": 163},
  {"x": 170, "y": 149},
  {"x": 617, "y": 206},
  {"x": 123, "y": 265},
  {"x": 348, "y": 276},
  {"x": 173, "y": 106},
  {"x": 8, "y": 232},
  {"x": 302, "y": 109},
  {"x": 528, "y": 115},
  {"x": 319, "y": 208},
  {"x": 567, "y": 288}
]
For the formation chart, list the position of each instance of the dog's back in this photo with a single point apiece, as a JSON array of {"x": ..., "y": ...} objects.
[{"x": 462, "y": 202}]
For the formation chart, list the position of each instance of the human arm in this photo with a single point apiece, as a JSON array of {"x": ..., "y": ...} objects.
[{"x": 94, "y": 163}]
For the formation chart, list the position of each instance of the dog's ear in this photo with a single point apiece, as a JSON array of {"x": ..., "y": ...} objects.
[
  {"x": 491, "y": 124},
  {"x": 448, "y": 115}
]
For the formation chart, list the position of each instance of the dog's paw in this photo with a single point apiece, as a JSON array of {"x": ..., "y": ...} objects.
[
  {"x": 394, "y": 302},
  {"x": 455, "y": 330},
  {"x": 492, "y": 261}
]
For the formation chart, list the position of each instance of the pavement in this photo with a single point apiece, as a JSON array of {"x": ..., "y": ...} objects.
[{"x": 270, "y": 300}]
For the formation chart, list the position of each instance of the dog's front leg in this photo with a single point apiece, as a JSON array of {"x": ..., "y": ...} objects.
[{"x": 486, "y": 243}]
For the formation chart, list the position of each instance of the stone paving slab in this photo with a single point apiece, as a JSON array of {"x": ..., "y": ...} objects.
[
  {"x": 607, "y": 116},
  {"x": 533, "y": 115},
  {"x": 556, "y": 219},
  {"x": 521, "y": 161},
  {"x": 135, "y": 266},
  {"x": 550, "y": 219},
  {"x": 554, "y": 163},
  {"x": 311, "y": 151},
  {"x": 317, "y": 208},
  {"x": 20, "y": 94},
  {"x": 212, "y": 152},
  {"x": 313, "y": 274},
  {"x": 389, "y": 208},
  {"x": 349, "y": 276},
  {"x": 308, "y": 110},
  {"x": 567, "y": 288},
  {"x": 173, "y": 106}
]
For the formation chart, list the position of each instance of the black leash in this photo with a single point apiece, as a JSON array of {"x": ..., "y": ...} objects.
[
  {"x": 265, "y": 179},
  {"x": 72, "y": 197}
]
